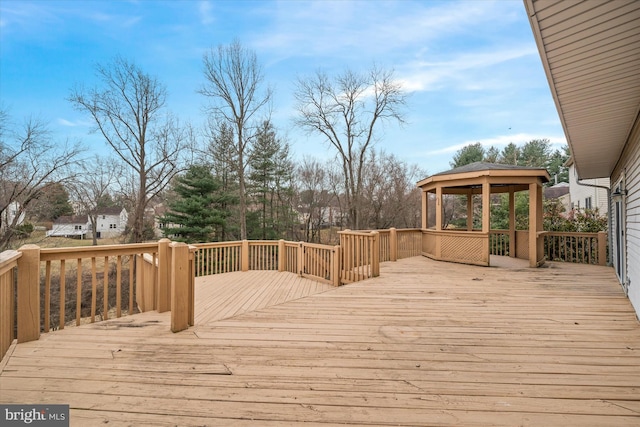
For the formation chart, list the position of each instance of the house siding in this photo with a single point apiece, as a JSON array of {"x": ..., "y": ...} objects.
[
  {"x": 629, "y": 167},
  {"x": 61, "y": 230},
  {"x": 104, "y": 222},
  {"x": 579, "y": 193}
]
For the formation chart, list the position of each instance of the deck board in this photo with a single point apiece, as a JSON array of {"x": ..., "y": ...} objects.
[
  {"x": 227, "y": 295},
  {"x": 425, "y": 343}
]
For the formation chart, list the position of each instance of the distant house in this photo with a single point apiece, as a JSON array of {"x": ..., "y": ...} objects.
[
  {"x": 75, "y": 226},
  {"x": 8, "y": 215},
  {"x": 559, "y": 192},
  {"x": 587, "y": 193},
  {"x": 110, "y": 222}
]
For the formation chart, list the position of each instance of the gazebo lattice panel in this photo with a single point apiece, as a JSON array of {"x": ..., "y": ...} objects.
[{"x": 463, "y": 248}]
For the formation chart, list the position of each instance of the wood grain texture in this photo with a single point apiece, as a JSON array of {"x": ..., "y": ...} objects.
[{"x": 425, "y": 343}]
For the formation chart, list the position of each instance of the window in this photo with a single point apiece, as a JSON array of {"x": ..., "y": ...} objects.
[
  {"x": 112, "y": 226},
  {"x": 587, "y": 203},
  {"x": 78, "y": 227}
]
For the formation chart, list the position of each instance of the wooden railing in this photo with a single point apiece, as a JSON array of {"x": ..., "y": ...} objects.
[
  {"x": 499, "y": 242},
  {"x": 396, "y": 244},
  {"x": 585, "y": 248},
  {"x": 218, "y": 258},
  {"x": 8, "y": 264},
  {"x": 360, "y": 258},
  {"x": 408, "y": 242},
  {"x": 86, "y": 284},
  {"x": 318, "y": 262},
  {"x": 165, "y": 282}
]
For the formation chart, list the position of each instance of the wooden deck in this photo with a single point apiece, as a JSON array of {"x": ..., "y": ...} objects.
[
  {"x": 426, "y": 343},
  {"x": 228, "y": 295}
]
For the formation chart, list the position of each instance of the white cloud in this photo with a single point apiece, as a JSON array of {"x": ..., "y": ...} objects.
[
  {"x": 425, "y": 75},
  {"x": 69, "y": 123},
  {"x": 206, "y": 12},
  {"x": 362, "y": 29}
]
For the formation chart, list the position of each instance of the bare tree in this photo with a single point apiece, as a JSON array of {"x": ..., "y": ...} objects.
[
  {"x": 30, "y": 161},
  {"x": 128, "y": 111},
  {"x": 314, "y": 197},
  {"x": 391, "y": 196},
  {"x": 93, "y": 187},
  {"x": 347, "y": 112},
  {"x": 233, "y": 83}
]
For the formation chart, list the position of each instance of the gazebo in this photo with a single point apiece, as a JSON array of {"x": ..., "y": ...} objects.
[{"x": 470, "y": 245}]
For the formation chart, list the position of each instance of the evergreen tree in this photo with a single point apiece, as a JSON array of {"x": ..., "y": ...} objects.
[
  {"x": 194, "y": 213},
  {"x": 222, "y": 155},
  {"x": 510, "y": 155},
  {"x": 53, "y": 203},
  {"x": 535, "y": 153},
  {"x": 468, "y": 154},
  {"x": 491, "y": 155},
  {"x": 555, "y": 165},
  {"x": 269, "y": 185}
]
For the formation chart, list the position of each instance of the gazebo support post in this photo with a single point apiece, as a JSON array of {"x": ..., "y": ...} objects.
[
  {"x": 439, "y": 208},
  {"x": 486, "y": 207},
  {"x": 486, "y": 218},
  {"x": 535, "y": 223},
  {"x": 512, "y": 223},
  {"x": 425, "y": 210},
  {"x": 470, "y": 211}
]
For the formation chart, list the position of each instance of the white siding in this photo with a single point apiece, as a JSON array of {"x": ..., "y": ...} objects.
[
  {"x": 111, "y": 225},
  {"x": 579, "y": 193},
  {"x": 629, "y": 166},
  {"x": 62, "y": 230}
]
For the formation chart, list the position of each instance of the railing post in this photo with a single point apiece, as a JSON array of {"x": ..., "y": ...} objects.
[
  {"x": 337, "y": 268},
  {"x": 244, "y": 263},
  {"x": 192, "y": 284},
  {"x": 29, "y": 293},
  {"x": 375, "y": 256},
  {"x": 300, "y": 258},
  {"x": 281, "y": 255},
  {"x": 164, "y": 276},
  {"x": 602, "y": 248},
  {"x": 180, "y": 283},
  {"x": 393, "y": 244}
]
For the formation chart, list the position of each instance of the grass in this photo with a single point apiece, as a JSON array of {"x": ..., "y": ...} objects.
[{"x": 40, "y": 238}]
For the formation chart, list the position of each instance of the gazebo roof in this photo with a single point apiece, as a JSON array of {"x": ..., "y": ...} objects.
[{"x": 482, "y": 169}]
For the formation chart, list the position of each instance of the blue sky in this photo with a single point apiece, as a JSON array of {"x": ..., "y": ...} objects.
[{"x": 471, "y": 67}]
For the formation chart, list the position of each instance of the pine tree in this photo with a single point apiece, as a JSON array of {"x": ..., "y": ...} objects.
[
  {"x": 223, "y": 160},
  {"x": 194, "y": 214},
  {"x": 270, "y": 188}
]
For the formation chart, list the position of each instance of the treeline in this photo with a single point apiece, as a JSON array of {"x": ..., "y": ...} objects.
[
  {"x": 301, "y": 202},
  {"x": 295, "y": 200},
  {"x": 256, "y": 189},
  {"x": 534, "y": 153}
]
